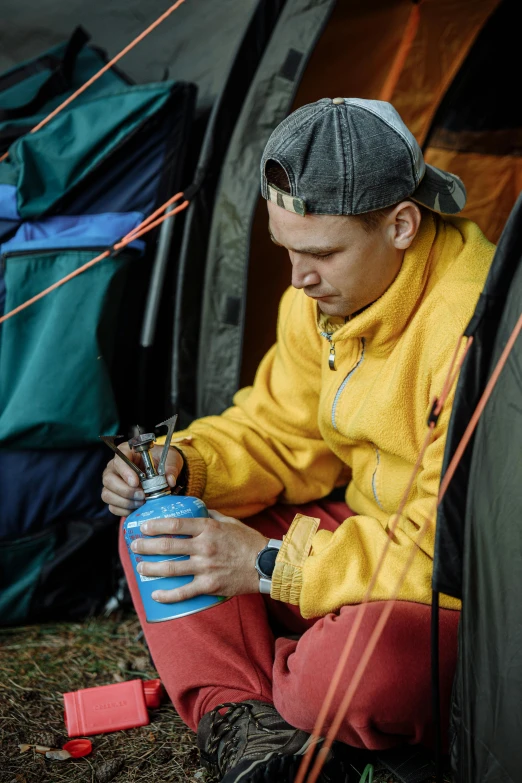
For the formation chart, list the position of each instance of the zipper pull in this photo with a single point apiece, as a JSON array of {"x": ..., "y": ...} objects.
[{"x": 331, "y": 357}]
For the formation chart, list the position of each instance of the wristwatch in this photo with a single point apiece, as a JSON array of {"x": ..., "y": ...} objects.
[{"x": 265, "y": 564}]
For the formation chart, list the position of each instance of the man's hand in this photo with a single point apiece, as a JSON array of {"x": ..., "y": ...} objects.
[
  {"x": 222, "y": 555},
  {"x": 121, "y": 486}
]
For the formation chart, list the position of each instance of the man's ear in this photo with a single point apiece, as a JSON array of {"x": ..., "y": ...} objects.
[{"x": 404, "y": 221}]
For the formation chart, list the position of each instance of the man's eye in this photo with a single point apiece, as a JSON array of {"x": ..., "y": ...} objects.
[{"x": 322, "y": 256}]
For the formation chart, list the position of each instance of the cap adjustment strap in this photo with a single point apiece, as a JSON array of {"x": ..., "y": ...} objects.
[{"x": 286, "y": 200}]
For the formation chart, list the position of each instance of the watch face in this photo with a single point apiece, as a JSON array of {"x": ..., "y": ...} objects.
[{"x": 266, "y": 562}]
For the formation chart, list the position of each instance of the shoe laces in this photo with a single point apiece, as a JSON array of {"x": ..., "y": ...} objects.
[{"x": 227, "y": 724}]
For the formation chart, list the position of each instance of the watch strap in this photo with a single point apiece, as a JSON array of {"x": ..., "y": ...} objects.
[
  {"x": 265, "y": 585},
  {"x": 265, "y": 573}
]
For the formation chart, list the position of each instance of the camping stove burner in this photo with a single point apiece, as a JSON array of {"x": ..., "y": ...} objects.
[{"x": 153, "y": 481}]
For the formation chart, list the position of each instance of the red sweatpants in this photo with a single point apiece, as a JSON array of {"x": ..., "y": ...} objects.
[{"x": 241, "y": 650}]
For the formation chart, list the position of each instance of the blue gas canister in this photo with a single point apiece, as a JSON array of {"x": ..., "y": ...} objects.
[{"x": 160, "y": 503}]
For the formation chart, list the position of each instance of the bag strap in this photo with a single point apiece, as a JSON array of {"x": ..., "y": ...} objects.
[{"x": 58, "y": 82}]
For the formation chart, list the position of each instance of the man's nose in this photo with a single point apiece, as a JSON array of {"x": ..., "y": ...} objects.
[{"x": 303, "y": 272}]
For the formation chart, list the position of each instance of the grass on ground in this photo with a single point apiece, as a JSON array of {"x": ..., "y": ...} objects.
[{"x": 39, "y": 663}]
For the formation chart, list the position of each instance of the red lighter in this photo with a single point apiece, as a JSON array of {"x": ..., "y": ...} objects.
[{"x": 110, "y": 707}]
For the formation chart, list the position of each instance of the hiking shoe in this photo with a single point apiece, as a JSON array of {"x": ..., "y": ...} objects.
[{"x": 251, "y": 743}]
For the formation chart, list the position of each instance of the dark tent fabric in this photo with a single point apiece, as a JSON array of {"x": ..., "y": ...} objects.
[
  {"x": 194, "y": 44},
  {"x": 267, "y": 103},
  {"x": 479, "y": 541},
  {"x": 191, "y": 262},
  {"x": 453, "y": 510},
  {"x": 314, "y": 44}
]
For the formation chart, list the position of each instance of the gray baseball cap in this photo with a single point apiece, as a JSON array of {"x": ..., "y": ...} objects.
[{"x": 347, "y": 156}]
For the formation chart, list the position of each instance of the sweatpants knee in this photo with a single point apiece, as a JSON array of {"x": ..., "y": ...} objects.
[{"x": 392, "y": 702}]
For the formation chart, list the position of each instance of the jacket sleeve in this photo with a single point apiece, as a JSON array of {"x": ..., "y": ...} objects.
[
  {"x": 267, "y": 447},
  {"x": 322, "y": 571}
]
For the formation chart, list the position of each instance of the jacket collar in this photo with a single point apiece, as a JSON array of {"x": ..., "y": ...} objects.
[{"x": 382, "y": 323}]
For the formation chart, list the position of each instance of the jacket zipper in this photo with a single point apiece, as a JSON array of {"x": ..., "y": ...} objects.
[
  {"x": 345, "y": 381},
  {"x": 331, "y": 355},
  {"x": 374, "y": 478}
]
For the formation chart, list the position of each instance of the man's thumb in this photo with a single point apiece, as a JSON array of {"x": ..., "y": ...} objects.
[{"x": 171, "y": 477}]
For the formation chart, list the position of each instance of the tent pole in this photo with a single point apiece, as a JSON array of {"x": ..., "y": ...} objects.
[
  {"x": 435, "y": 685},
  {"x": 143, "y": 400},
  {"x": 159, "y": 269}
]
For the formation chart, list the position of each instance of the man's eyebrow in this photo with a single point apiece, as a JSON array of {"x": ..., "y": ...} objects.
[{"x": 312, "y": 251}]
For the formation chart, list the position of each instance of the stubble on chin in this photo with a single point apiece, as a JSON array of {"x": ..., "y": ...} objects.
[{"x": 335, "y": 310}]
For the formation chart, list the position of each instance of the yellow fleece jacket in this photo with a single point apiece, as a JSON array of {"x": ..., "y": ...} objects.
[{"x": 302, "y": 428}]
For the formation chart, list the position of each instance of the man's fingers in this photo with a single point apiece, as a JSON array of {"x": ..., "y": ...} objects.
[
  {"x": 171, "y": 478},
  {"x": 118, "y": 511},
  {"x": 163, "y": 546},
  {"x": 175, "y": 567},
  {"x": 122, "y": 469},
  {"x": 197, "y": 587},
  {"x": 219, "y": 517},
  {"x": 116, "y": 500},
  {"x": 173, "y": 465},
  {"x": 115, "y": 484},
  {"x": 177, "y": 526}
]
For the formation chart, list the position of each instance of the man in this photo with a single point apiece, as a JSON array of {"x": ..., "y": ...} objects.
[{"x": 383, "y": 286}]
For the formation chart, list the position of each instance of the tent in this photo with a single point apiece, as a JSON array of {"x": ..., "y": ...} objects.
[
  {"x": 478, "y": 545},
  {"x": 447, "y": 66},
  {"x": 190, "y": 46},
  {"x": 448, "y": 91},
  {"x": 218, "y": 51},
  {"x": 453, "y": 87},
  {"x": 49, "y": 438}
]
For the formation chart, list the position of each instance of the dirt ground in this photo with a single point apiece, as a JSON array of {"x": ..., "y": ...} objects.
[{"x": 39, "y": 663}]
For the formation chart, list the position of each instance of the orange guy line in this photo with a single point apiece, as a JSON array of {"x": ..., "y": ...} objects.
[
  {"x": 103, "y": 70},
  {"x": 383, "y": 618},
  {"x": 459, "y": 451},
  {"x": 143, "y": 228},
  {"x": 447, "y": 385}
]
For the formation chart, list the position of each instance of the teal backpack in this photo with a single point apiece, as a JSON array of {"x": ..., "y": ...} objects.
[{"x": 67, "y": 192}]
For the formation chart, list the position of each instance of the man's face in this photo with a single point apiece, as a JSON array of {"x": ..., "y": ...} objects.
[{"x": 335, "y": 260}]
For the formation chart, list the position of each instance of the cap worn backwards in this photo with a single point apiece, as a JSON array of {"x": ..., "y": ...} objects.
[{"x": 348, "y": 156}]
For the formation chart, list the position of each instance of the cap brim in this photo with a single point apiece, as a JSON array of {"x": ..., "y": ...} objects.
[{"x": 441, "y": 191}]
